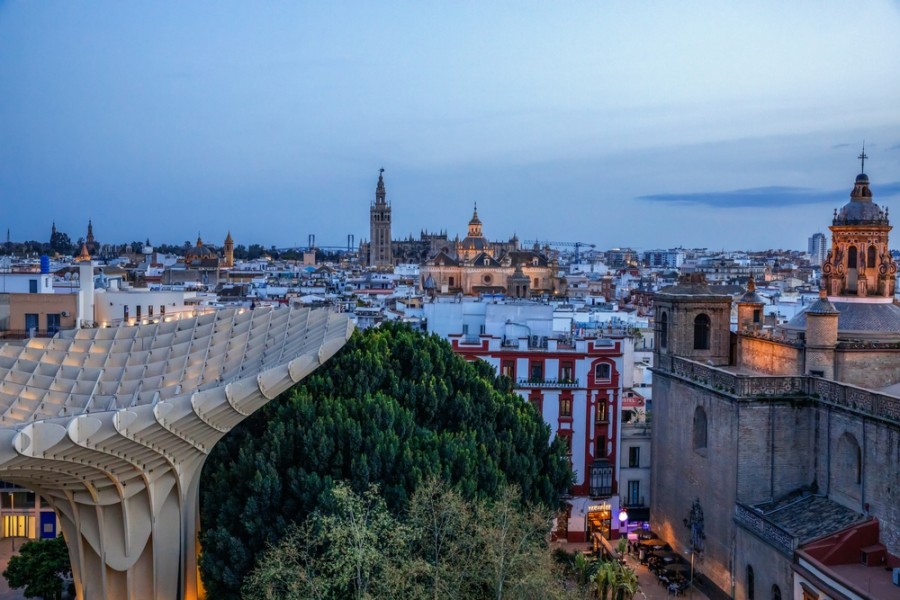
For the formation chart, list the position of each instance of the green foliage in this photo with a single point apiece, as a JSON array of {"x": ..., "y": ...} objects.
[
  {"x": 444, "y": 548},
  {"x": 40, "y": 568},
  {"x": 393, "y": 408}
]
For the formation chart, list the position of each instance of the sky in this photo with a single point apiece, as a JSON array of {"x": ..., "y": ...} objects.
[{"x": 645, "y": 124}]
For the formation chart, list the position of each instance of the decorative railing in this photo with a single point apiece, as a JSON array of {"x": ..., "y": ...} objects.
[
  {"x": 856, "y": 399},
  {"x": 843, "y": 395},
  {"x": 756, "y": 522},
  {"x": 547, "y": 383}
]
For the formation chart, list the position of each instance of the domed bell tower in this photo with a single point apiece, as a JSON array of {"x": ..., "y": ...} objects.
[
  {"x": 750, "y": 309},
  {"x": 859, "y": 262}
]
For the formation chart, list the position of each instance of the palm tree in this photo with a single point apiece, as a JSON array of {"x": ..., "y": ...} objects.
[
  {"x": 627, "y": 584},
  {"x": 606, "y": 580}
]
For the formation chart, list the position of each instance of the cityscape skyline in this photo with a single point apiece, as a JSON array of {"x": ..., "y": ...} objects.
[{"x": 737, "y": 128}]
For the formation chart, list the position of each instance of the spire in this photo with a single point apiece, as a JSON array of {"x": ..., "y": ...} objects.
[
  {"x": 199, "y": 240},
  {"x": 380, "y": 195},
  {"x": 85, "y": 255},
  {"x": 90, "y": 232},
  {"x": 862, "y": 157},
  {"x": 228, "y": 237},
  {"x": 475, "y": 220}
]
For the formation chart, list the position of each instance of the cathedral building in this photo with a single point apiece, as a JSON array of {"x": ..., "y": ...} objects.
[
  {"x": 777, "y": 450},
  {"x": 474, "y": 265}
]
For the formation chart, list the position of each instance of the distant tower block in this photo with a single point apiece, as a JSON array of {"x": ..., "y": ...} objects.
[
  {"x": 380, "y": 228},
  {"x": 112, "y": 427}
]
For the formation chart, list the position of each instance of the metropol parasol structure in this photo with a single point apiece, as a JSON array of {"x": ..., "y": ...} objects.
[{"x": 112, "y": 427}]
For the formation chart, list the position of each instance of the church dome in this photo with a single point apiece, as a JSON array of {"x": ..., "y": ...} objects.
[
  {"x": 200, "y": 252},
  {"x": 861, "y": 210}
]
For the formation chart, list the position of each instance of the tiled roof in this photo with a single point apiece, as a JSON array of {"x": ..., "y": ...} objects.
[{"x": 809, "y": 517}]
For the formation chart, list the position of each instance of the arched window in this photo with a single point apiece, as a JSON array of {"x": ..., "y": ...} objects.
[
  {"x": 851, "y": 257},
  {"x": 870, "y": 259},
  {"x": 848, "y": 466},
  {"x": 776, "y": 592},
  {"x": 602, "y": 372},
  {"x": 663, "y": 330},
  {"x": 701, "y": 332},
  {"x": 749, "y": 582},
  {"x": 699, "y": 428}
]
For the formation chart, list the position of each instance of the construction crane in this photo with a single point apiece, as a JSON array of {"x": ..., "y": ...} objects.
[{"x": 576, "y": 245}]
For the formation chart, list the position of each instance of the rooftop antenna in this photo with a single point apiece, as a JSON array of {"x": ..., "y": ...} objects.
[{"x": 862, "y": 157}]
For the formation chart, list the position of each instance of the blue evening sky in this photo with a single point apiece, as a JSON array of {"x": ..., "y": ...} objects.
[{"x": 718, "y": 124}]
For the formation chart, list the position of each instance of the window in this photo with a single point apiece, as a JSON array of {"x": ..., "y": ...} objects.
[
  {"x": 602, "y": 372},
  {"x": 601, "y": 479},
  {"x": 53, "y": 322},
  {"x": 565, "y": 407},
  {"x": 137, "y": 312},
  {"x": 600, "y": 415},
  {"x": 851, "y": 257},
  {"x": 870, "y": 259},
  {"x": 701, "y": 332},
  {"x": 125, "y": 312},
  {"x": 508, "y": 369},
  {"x": 750, "y": 583},
  {"x": 31, "y": 323},
  {"x": 566, "y": 372},
  {"x": 600, "y": 447},
  {"x": 537, "y": 371},
  {"x": 663, "y": 330},
  {"x": 482, "y": 329},
  {"x": 451, "y": 282},
  {"x": 699, "y": 429},
  {"x": 757, "y": 315},
  {"x": 634, "y": 494},
  {"x": 634, "y": 456},
  {"x": 537, "y": 283},
  {"x": 32, "y": 286},
  {"x": 162, "y": 309},
  {"x": 465, "y": 329},
  {"x": 149, "y": 310},
  {"x": 776, "y": 592}
]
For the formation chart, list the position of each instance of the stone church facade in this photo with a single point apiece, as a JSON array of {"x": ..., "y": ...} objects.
[{"x": 786, "y": 441}]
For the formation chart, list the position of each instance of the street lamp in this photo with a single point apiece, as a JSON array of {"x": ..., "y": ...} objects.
[{"x": 694, "y": 522}]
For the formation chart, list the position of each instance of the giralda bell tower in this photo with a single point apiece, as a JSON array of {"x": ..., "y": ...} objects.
[{"x": 380, "y": 227}]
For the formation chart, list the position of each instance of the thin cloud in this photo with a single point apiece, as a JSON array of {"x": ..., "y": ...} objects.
[
  {"x": 767, "y": 196},
  {"x": 836, "y": 146}
]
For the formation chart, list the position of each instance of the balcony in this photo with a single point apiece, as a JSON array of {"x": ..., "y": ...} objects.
[{"x": 548, "y": 383}]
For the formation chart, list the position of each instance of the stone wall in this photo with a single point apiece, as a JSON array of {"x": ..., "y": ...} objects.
[
  {"x": 769, "y": 356},
  {"x": 869, "y": 368},
  {"x": 681, "y": 473},
  {"x": 769, "y": 568},
  {"x": 879, "y": 480},
  {"x": 775, "y": 449}
]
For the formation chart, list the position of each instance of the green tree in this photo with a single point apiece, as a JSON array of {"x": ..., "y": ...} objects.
[
  {"x": 40, "y": 568},
  {"x": 394, "y": 408},
  {"x": 357, "y": 549}
]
